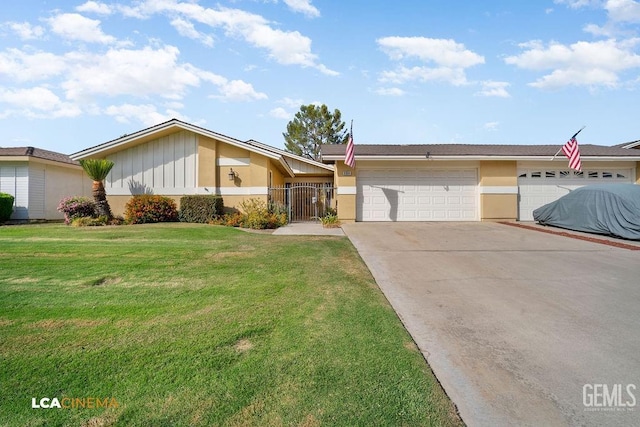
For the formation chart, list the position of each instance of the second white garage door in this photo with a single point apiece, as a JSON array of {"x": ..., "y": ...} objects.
[
  {"x": 417, "y": 195},
  {"x": 539, "y": 186}
]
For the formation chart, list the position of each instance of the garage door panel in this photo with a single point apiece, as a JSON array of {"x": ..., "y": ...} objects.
[
  {"x": 539, "y": 186},
  {"x": 417, "y": 195}
]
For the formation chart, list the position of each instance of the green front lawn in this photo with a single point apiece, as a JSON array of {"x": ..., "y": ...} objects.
[{"x": 202, "y": 325}]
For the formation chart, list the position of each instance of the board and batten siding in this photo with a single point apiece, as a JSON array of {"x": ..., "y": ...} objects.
[
  {"x": 37, "y": 192},
  {"x": 14, "y": 180},
  {"x": 166, "y": 166}
]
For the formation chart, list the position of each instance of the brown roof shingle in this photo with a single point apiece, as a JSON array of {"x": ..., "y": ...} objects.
[
  {"x": 586, "y": 150},
  {"x": 37, "y": 153}
]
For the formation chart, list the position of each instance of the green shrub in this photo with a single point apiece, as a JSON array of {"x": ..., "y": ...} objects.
[
  {"x": 201, "y": 209},
  {"x": 6, "y": 206},
  {"x": 77, "y": 207},
  {"x": 258, "y": 216},
  {"x": 87, "y": 221},
  {"x": 146, "y": 208},
  {"x": 235, "y": 219},
  {"x": 330, "y": 220}
]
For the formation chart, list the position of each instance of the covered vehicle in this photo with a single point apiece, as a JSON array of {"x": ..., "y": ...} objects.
[{"x": 611, "y": 209}]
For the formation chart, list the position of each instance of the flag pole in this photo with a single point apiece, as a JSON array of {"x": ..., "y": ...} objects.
[{"x": 574, "y": 135}]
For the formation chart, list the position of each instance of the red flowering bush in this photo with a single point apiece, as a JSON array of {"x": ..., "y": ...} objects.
[
  {"x": 144, "y": 209},
  {"x": 77, "y": 207}
]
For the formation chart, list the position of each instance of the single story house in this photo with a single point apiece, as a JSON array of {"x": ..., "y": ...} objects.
[
  {"x": 460, "y": 182},
  {"x": 177, "y": 158},
  {"x": 38, "y": 179}
]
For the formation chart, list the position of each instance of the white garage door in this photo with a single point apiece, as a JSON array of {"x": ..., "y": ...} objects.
[
  {"x": 417, "y": 195},
  {"x": 538, "y": 186}
]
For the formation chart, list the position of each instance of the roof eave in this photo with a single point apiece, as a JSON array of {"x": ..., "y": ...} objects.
[
  {"x": 109, "y": 146},
  {"x": 284, "y": 153},
  {"x": 478, "y": 157},
  {"x": 286, "y": 167}
]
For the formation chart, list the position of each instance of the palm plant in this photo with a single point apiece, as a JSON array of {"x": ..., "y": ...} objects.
[{"x": 98, "y": 169}]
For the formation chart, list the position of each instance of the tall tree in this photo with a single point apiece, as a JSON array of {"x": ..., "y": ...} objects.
[
  {"x": 313, "y": 127},
  {"x": 98, "y": 169}
]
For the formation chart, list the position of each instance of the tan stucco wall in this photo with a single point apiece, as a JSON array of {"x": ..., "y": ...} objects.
[
  {"x": 116, "y": 203},
  {"x": 259, "y": 171},
  {"x": 498, "y": 175},
  {"x": 277, "y": 179},
  {"x": 243, "y": 173},
  {"x": 207, "y": 176},
  {"x": 345, "y": 203},
  {"x": 637, "y": 172},
  {"x": 498, "y": 207}
]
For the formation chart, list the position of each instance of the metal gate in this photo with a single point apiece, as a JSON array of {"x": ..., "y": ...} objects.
[{"x": 302, "y": 201}]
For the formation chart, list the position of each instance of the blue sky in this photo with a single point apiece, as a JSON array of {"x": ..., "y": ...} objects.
[{"x": 74, "y": 74}]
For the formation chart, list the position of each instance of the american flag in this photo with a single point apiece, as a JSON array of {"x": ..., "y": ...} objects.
[
  {"x": 349, "y": 157},
  {"x": 572, "y": 151}
]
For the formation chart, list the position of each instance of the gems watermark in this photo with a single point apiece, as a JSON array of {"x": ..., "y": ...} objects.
[
  {"x": 74, "y": 403},
  {"x": 609, "y": 397}
]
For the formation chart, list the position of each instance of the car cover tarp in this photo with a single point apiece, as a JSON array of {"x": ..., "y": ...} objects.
[{"x": 612, "y": 209}]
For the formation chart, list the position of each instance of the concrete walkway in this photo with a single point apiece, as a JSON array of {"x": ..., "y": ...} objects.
[
  {"x": 522, "y": 328},
  {"x": 307, "y": 229}
]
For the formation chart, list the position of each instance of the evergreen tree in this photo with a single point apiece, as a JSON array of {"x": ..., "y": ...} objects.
[{"x": 313, "y": 127}]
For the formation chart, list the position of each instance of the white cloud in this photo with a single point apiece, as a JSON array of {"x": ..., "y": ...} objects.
[
  {"x": 580, "y": 64},
  {"x": 390, "y": 91},
  {"x": 491, "y": 88},
  {"x": 291, "y": 103},
  {"x": 95, "y": 7},
  {"x": 443, "y": 52},
  {"x": 623, "y": 10},
  {"x": 285, "y": 47},
  {"x": 37, "y": 102},
  {"x": 141, "y": 72},
  {"x": 25, "y": 30},
  {"x": 454, "y": 76},
  {"x": 237, "y": 90},
  {"x": 446, "y": 59},
  {"x": 303, "y": 6},
  {"x": 187, "y": 29},
  {"x": 22, "y": 66},
  {"x": 84, "y": 78},
  {"x": 576, "y": 4},
  {"x": 146, "y": 114},
  {"x": 618, "y": 12},
  {"x": 491, "y": 126},
  {"x": 280, "y": 113},
  {"x": 74, "y": 26}
]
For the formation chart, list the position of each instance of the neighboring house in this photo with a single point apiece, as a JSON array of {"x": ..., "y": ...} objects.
[
  {"x": 456, "y": 182},
  {"x": 39, "y": 179},
  {"x": 177, "y": 158}
]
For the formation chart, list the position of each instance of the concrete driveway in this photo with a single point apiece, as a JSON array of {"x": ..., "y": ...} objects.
[{"x": 520, "y": 327}]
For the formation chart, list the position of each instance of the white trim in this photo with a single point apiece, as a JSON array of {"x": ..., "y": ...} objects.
[
  {"x": 347, "y": 191},
  {"x": 491, "y": 189},
  {"x": 482, "y": 157},
  {"x": 242, "y": 191},
  {"x": 229, "y": 161},
  {"x": 154, "y": 191},
  {"x": 221, "y": 191},
  {"x": 290, "y": 155},
  {"x": 254, "y": 146}
]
